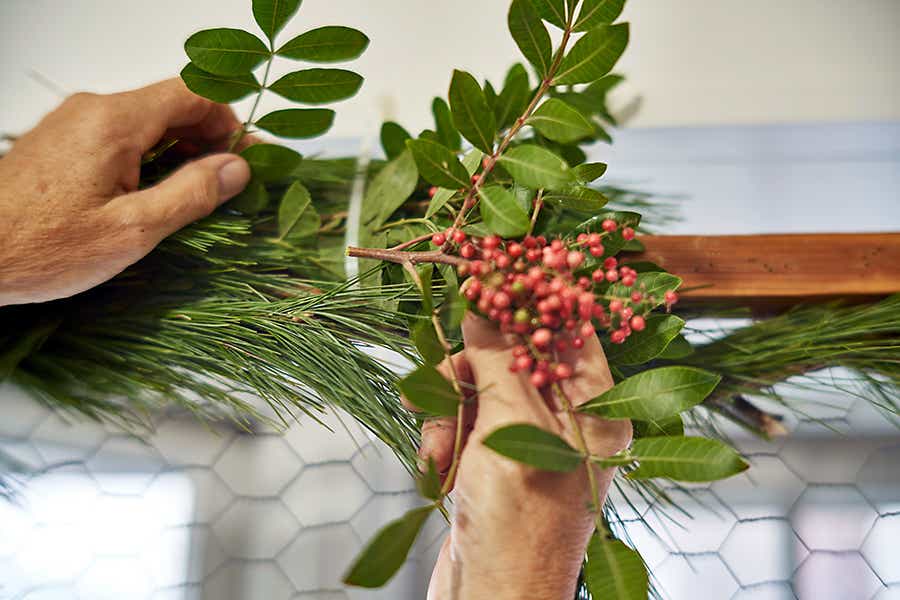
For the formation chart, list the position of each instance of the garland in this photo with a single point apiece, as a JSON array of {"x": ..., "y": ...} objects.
[{"x": 514, "y": 227}]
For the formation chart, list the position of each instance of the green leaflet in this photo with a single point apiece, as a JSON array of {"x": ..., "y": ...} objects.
[
  {"x": 318, "y": 86},
  {"x": 226, "y": 51},
  {"x": 470, "y": 161},
  {"x": 386, "y": 553},
  {"x": 552, "y": 11},
  {"x": 536, "y": 168},
  {"x": 253, "y": 199},
  {"x": 393, "y": 139},
  {"x": 472, "y": 116},
  {"x": 271, "y": 15},
  {"x": 559, "y": 122},
  {"x": 615, "y": 571},
  {"x": 513, "y": 98},
  {"x": 297, "y": 122},
  {"x": 218, "y": 88},
  {"x": 643, "y": 346},
  {"x": 588, "y": 172},
  {"x": 654, "y": 394},
  {"x": 533, "y": 446},
  {"x": 297, "y": 218},
  {"x": 669, "y": 426},
  {"x": 444, "y": 123},
  {"x": 502, "y": 213},
  {"x": 598, "y": 12},
  {"x": 594, "y": 55},
  {"x": 389, "y": 189},
  {"x": 271, "y": 162},
  {"x": 326, "y": 44},
  {"x": 577, "y": 197},
  {"x": 427, "y": 389},
  {"x": 654, "y": 284},
  {"x": 530, "y": 35},
  {"x": 693, "y": 459},
  {"x": 437, "y": 165}
]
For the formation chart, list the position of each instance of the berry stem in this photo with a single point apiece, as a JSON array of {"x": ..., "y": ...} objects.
[
  {"x": 400, "y": 257},
  {"x": 538, "y": 205}
]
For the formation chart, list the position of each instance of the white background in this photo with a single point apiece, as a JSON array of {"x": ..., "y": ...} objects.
[{"x": 693, "y": 61}]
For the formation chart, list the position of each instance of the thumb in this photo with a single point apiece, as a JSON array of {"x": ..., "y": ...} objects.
[{"x": 191, "y": 193}]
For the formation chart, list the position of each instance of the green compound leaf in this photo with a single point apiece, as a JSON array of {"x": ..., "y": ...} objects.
[
  {"x": 559, "y": 122},
  {"x": 655, "y": 394},
  {"x": 513, "y": 98},
  {"x": 552, "y": 11},
  {"x": 318, "y": 86},
  {"x": 536, "y": 168},
  {"x": 444, "y": 122},
  {"x": 693, "y": 459},
  {"x": 437, "y": 165},
  {"x": 387, "y": 551},
  {"x": 393, "y": 139},
  {"x": 577, "y": 197},
  {"x": 588, "y": 172},
  {"x": 598, "y": 12},
  {"x": 594, "y": 55},
  {"x": 530, "y": 35},
  {"x": 533, "y": 446},
  {"x": 271, "y": 162},
  {"x": 226, "y": 51},
  {"x": 613, "y": 570},
  {"x": 326, "y": 44},
  {"x": 427, "y": 389},
  {"x": 218, "y": 88},
  {"x": 297, "y": 218},
  {"x": 644, "y": 346},
  {"x": 502, "y": 213},
  {"x": 470, "y": 161},
  {"x": 472, "y": 116},
  {"x": 389, "y": 189},
  {"x": 297, "y": 122},
  {"x": 272, "y": 15},
  {"x": 253, "y": 199}
]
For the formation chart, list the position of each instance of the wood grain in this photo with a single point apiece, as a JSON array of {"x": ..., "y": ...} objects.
[{"x": 770, "y": 270}]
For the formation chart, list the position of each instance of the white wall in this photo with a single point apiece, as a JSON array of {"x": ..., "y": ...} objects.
[{"x": 693, "y": 61}]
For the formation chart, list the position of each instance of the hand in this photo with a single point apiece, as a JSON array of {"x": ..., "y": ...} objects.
[
  {"x": 71, "y": 214},
  {"x": 517, "y": 532}
]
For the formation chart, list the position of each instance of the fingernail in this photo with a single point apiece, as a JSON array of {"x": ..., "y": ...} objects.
[{"x": 233, "y": 178}]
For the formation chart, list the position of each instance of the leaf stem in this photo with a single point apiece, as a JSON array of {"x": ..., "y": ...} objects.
[
  {"x": 265, "y": 81},
  {"x": 399, "y": 257}
]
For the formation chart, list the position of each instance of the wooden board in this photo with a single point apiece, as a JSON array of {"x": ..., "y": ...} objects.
[{"x": 779, "y": 270}]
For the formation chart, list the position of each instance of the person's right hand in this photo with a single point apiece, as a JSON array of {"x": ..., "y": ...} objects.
[
  {"x": 71, "y": 214},
  {"x": 517, "y": 532}
]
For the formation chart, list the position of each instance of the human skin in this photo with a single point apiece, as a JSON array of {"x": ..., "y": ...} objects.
[
  {"x": 71, "y": 213},
  {"x": 517, "y": 532},
  {"x": 72, "y": 217}
]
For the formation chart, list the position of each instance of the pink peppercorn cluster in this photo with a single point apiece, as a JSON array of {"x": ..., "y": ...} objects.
[{"x": 541, "y": 291}]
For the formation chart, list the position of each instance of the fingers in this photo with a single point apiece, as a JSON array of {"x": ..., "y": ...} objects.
[
  {"x": 591, "y": 372},
  {"x": 170, "y": 105},
  {"x": 191, "y": 193},
  {"x": 503, "y": 397}
]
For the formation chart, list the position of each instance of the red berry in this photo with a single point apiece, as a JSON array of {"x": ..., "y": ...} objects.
[
  {"x": 578, "y": 343},
  {"x": 476, "y": 178},
  {"x": 636, "y": 296},
  {"x": 671, "y": 297},
  {"x": 628, "y": 280},
  {"x": 501, "y": 300},
  {"x": 530, "y": 242},
  {"x": 563, "y": 371},
  {"x": 524, "y": 363},
  {"x": 612, "y": 275},
  {"x": 574, "y": 259},
  {"x": 520, "y": 350},
  {"x": 459, "y": 236},
  {"x": 467, "y": 251},
  {"x": 638, "y": 323},
  {"x": 533, "y": 255},
  {"x": 598, "y": 275},
  {"x": 617, "y": 336},
  {"x": 582, "y": 238},
  {"x": 514, "y": 250},
  {"x": 595, "y": 239},
  {"x": 615, "y": 306},
  {"x": 539, "y": 379},
  {"x": 438, "y": 239},
  {"x": 432, "y": 191},
  {"x": 628, "y": 233},
  {"x": 597, "y": 250},
  {"x": 491, "y": 242},
  {"x": 587, "y": 330},
  {"x": 627, "y": 312},
  {"x": 562, "y": 345},
  {"x": 502, "y": 260},
  {"x": 610, "y": 263},
  {"x": 609, "y": 225},
  {"x": 541, "y": 338}
]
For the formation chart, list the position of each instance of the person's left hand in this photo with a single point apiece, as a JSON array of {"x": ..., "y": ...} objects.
[{"x": 71, "y": 214}]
